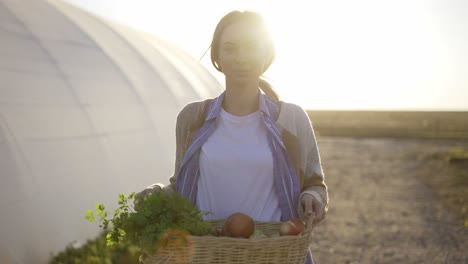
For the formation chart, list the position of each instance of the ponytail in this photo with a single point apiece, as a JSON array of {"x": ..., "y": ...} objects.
[{"x": 267, "y": 88}]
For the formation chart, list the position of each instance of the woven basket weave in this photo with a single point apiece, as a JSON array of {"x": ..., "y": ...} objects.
[{"x": 226, "y": 250}]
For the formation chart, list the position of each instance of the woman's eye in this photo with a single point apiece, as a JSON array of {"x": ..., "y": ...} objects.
[
  {"x": 230, "y": 49},
  {"x": 252, "y": 48}
]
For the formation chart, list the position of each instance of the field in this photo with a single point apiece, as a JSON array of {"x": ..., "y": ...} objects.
[
  {"x": 398, "y": 186},
  {"x": 390, "y": 124}
]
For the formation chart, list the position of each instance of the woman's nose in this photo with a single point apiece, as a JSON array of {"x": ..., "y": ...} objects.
[{"x": 242, "y": 55}]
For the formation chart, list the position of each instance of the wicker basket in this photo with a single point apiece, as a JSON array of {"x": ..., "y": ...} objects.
[{"x": 226, "y": 250}]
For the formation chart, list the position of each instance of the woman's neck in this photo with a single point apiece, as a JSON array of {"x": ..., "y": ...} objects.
[{"x": 241, "y": 100}]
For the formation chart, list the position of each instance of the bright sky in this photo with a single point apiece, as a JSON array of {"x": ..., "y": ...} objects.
[{"x": 335, "y": 54}]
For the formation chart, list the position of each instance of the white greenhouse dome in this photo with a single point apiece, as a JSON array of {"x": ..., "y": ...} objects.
[{"x": 87, "y": 111}]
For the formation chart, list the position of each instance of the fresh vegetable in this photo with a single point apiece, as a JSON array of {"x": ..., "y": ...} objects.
[
  {"x": 95, "y": 251},
  {"x": 292, "y": 227},
  {"x": 158, "y": 214},
  {"x": 258, "y": 234},
  {"x": 238, "y": 225}
]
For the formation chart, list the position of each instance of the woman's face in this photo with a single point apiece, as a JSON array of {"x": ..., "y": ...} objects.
[{"x": 242, "y": 53}]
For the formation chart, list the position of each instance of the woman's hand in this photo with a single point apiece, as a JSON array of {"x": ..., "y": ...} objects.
[{"x": 311, "y": 206}]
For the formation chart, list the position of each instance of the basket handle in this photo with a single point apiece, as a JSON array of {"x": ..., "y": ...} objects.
[
  {"x": 310, "y": 223},
  {"x": 309, "y": 226}
]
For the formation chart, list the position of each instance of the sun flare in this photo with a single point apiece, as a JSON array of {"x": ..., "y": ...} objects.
[
  {"x": 338, "y": 57},
  {"x": 362, "y": 54}
]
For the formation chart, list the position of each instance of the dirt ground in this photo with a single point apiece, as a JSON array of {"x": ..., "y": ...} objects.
[{"x": 380, "y": 212}]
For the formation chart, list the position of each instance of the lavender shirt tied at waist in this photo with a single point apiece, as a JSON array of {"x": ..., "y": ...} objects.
[{"x": 286, "y": 180}]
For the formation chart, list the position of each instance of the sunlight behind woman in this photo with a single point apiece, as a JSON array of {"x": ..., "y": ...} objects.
[
  {"x": 362, "y": 54},
  {"x": 349, "y": 57}
]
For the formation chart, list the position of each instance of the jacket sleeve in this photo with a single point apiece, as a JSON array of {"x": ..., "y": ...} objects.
[
  {"x": 314, "y": 178},
  {"x": 182, "y": 129}
]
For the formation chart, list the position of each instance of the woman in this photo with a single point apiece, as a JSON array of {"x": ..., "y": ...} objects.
[{"x": 246, "y": 151}]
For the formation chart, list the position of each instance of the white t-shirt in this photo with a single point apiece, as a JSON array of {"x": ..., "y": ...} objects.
[{"x": 236, "y": 170}]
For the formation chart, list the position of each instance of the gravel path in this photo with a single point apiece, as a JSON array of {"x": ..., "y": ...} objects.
[{"x": 379, "y": 211}]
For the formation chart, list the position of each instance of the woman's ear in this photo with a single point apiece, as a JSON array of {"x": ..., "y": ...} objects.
[
  {"x": 268, "y": 60},
  {"x": 218, "y": 66}
]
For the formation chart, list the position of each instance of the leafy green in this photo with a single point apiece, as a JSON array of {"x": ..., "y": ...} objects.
[
  {"x": 97, "y": 252},
  {"x": 158, "y": 214}
]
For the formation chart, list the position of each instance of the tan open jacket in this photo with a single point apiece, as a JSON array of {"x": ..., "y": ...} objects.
[{"x": 298, "y": 137}]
